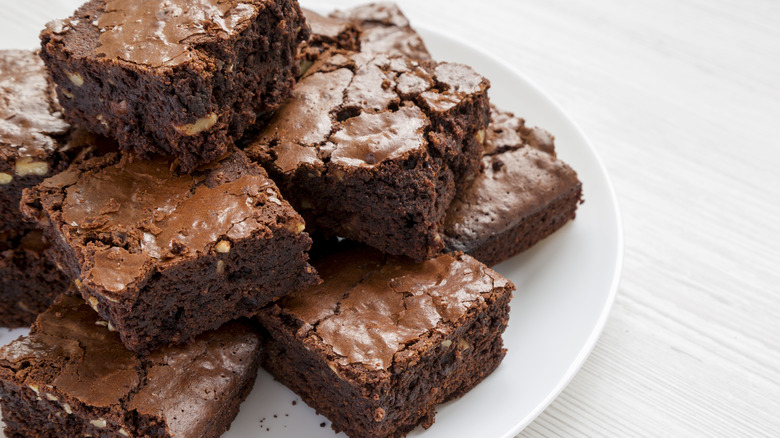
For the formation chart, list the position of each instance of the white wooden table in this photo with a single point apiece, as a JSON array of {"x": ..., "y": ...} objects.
[{"x": 682, "y": 101}]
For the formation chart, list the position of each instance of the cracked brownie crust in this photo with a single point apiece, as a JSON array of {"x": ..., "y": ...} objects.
[
  {"x": 71, "y": 376},
  {"x": 371, "y": 29},
  {"x": 33, "y": 133},
  {"x": 384, "y": 29},
  {"x": 371, "y": 147},
  {"x": 219, "y": 67},
  {"x": 522, "y": 195},
  {"x": 164, "y": 256},
  {"x": 382, "y": 340}
]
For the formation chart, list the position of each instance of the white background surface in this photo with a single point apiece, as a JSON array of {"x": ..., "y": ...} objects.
[{"x": 682, "y": 101}]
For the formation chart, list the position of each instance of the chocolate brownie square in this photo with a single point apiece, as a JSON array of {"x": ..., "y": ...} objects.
[
  {"x": 178, "y": 77},
  {"x": 371, "y": 147},
  {"x": 384, "y": 29},
  {"x": 523, "y": 194},
  {"x": 29, "y": 281},
  {"x": 72, "y": 377},
  {"x": 164, "y": 256},
  {"x": 383, "y": 339}
]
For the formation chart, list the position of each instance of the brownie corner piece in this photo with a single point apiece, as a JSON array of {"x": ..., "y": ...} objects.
[
  {"x": 71, "y": 376},
  {"x": 372, "y": 148},
  {"x": 163, "y": 255},
  {"x": 383, "y": 340},
  {"x": 523, "y": 194},
  {"x": 220, "y": 66}
]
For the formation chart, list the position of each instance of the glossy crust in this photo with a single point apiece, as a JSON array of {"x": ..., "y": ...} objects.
[
  {"x": 327, "y": 33},
  {"x": 384, "y": 29},
  {"x": 28, "y": 280},
  {"x": 33, "y": 133},
  {"x": 164, "y": 256},
  {"x": 522, "y": 195},
  {"x": 71, "y": 376},
  {"x": 372, "y": 28},
  {"x": 371, "y": 147},
  {"x": 382, "y": 340},
  {"x": 190, "y": 94}
]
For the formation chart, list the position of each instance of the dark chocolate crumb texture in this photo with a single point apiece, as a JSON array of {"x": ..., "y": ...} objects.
[
  {"x": 72, "y": 377},
  {"x": 29, "y": 281},
  {"x": 164, "y": 256},
  {"x": 179, "y": 77},
  {"x": 372, "y": 147},
  {"x": 522, "y": 195},
  {"x": 383, "y": 339}
]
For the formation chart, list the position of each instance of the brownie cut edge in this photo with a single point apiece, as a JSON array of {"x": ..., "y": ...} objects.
[
  {"x": 220, "y": 67},
  {"x": 522, "y": 194},
  {"x": 383, "y": 339},
  {"x": 164, "y": 256}
]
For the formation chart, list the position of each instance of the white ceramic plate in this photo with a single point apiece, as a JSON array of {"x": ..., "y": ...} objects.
[{"x": 565, "y": 285}]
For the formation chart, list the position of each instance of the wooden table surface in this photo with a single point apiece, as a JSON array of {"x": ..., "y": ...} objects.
[{"x": 682, "y": 101}]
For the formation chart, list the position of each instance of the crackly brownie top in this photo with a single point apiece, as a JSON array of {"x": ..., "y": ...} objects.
[
  {"x": 30, "y": 119},
  {"x": 520, "y": 176},
  {"x": 71, "y": 355},
  {"x": 357, "y": 109},
  {"x": 327, "y": 28},
  {"x": 157, "y": 32},
  {"x": 385, "y": 29},
  {"x": 131, "y": 214},
  {"x": 507, "y": 131},
  {"x": 371, "y": 306}
]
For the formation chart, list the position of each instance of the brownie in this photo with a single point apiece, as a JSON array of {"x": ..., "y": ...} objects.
[
  {"x": 71, "y": 376},
  {"x": 383, "y": 340},
  {"x": 33, "y": 133},
  {"x": 384, "y": 29},
  {"x": 35, "y": 142},
  {"x": 371, "y": 28},
  {"x": 28, "y": 280},
  {"x": 179, "y": 77},
  {"x": 523, "y": 194},
  {"x": 164, "y": 256},
  {"x": 326, "y": 33},
  {"x": 371, "y": 147}
]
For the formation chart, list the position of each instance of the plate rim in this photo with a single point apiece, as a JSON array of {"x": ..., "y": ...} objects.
[{"x": 598, "y": 328}]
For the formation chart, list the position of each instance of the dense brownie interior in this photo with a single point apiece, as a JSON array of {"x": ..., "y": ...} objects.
[{"x": 29, "y": 281}]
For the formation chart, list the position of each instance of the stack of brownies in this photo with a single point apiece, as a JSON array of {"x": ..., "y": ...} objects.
[{"x": 163, "y": 165}]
